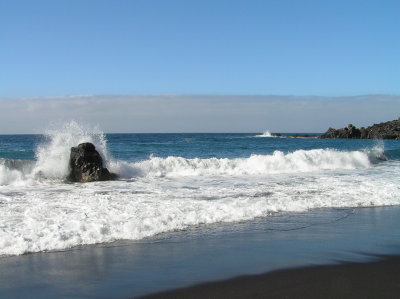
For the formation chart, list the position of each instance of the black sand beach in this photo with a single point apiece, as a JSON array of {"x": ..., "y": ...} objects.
[{"x": 350, "y": 280}]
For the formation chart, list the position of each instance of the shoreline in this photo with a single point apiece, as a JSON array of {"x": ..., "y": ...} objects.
[
  {"x": 377, "y": 279},
  {"x": 129, "y": 269}
]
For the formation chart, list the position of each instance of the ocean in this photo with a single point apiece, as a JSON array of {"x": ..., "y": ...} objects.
[{"x": 182, "y": 182}]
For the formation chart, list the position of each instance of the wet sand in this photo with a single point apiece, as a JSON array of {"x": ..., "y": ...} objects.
[{"x": 378, "y": 279}]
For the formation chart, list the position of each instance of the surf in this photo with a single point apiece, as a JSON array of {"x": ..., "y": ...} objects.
[
  {"x": 178, "y": 191},
  {"x": 52, "y": 160},
  {"x": 299, "y": 161},
  {"x": 266, "y": 134}
]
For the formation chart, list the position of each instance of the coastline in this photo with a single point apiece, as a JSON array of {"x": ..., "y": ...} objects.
[
  {"x": 376, "y": 279},
  {"x": 129, "y": 269}
]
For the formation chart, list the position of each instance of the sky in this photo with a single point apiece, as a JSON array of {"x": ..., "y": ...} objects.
[{"x": 141, "y": 49}]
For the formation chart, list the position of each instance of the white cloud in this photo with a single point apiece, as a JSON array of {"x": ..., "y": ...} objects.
[{"x": 208, "y": 113}]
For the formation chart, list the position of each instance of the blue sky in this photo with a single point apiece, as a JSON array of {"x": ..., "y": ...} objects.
[{"x": 328, "y": 48}]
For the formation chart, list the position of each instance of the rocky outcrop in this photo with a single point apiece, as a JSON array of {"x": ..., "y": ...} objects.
[
  {"x": 294, "y": 135},
  {"x": 86, "y": 165},
  {"x": 349, "y": 132},
  {"x": 386, "y": 130},
  {"x": 301, "y": 136}
]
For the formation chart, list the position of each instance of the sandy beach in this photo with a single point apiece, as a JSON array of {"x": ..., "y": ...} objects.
[{"x": 349, "y": 280}]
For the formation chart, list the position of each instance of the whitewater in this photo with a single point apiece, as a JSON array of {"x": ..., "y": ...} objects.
[{"x": 176, "y": 182}]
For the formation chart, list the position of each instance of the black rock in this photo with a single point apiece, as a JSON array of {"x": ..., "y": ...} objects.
[
  {"x": 386, "y": 130},
  {"x": 301, "y": 136},
  {"x": 86, "y": 165}
]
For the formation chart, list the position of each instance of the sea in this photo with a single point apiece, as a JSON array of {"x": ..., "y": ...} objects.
[{"x": 182, "y": 183}]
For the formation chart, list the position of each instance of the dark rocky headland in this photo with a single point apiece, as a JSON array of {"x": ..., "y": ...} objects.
[
  {"x": 385, "y": 130},
  {"x": 86, "y": 165}
]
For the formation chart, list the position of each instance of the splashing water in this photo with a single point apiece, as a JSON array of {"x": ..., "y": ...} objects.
[
  {"x": 265, "y": 134},
  {"x": 177, "y": 190},
  {"x": 53, "y": 155}
]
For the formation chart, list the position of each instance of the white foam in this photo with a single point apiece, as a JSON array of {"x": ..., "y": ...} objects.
[
  {"x": 53, "y": 155},
  {"x": 14, "y": 171},
  {"x": 297, "y": 162},
  {"x": 39, "y": 212},
  {"x": 8, "y": 176},
  {"x": 61, "y": 216},
  {"x": 265, "y": 134},
  {"x": 52, "y": 159}
]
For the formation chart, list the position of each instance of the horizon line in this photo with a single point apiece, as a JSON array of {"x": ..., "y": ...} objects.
[
  {"x": 195, "y": 95},
  {"x": 121, "y": 133}
]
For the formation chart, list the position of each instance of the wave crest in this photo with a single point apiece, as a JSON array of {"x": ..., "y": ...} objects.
[
  {"x": 278, "y": 162},
  {"x": 265, "y": 134},
  {"x": 52, "y": 159}
]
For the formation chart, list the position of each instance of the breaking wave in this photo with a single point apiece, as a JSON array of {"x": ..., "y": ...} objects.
[
  {"x": 278, "y": 162},
  {"x": 40, "y": 212},
  {"x": 265, "y": 134},
  {"x": 53, "y": 155}
]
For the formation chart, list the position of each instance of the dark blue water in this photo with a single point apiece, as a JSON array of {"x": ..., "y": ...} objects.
[{"x": 136, "y": 147}]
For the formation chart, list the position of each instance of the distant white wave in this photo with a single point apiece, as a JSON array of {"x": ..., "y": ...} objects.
[{"x": 265, "y": 134}]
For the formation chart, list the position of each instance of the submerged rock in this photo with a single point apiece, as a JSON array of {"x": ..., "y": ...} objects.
[
  {"x": 301, "y": 136},
  {"x": 386, "y": 130},
  {"x": 86, "y": 165}
]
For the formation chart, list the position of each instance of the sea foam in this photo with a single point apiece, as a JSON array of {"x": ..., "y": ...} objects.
[
  {"x": 265, "y": 134},
  {"x": 53, "y": 156},
  {"x": 61, "y": 216},
  {"x": 296, "y": 162},
  {"x": 39, "y": 212}
]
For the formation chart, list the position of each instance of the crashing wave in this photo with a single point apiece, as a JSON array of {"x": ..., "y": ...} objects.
[
  {"x": 52, "y": 156},
  {"x": 266, "y": 134},
  {"x": 52, "y": 159},
  {"x": 203, "y": 191},
  {"x": 276, "y": 163}
]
